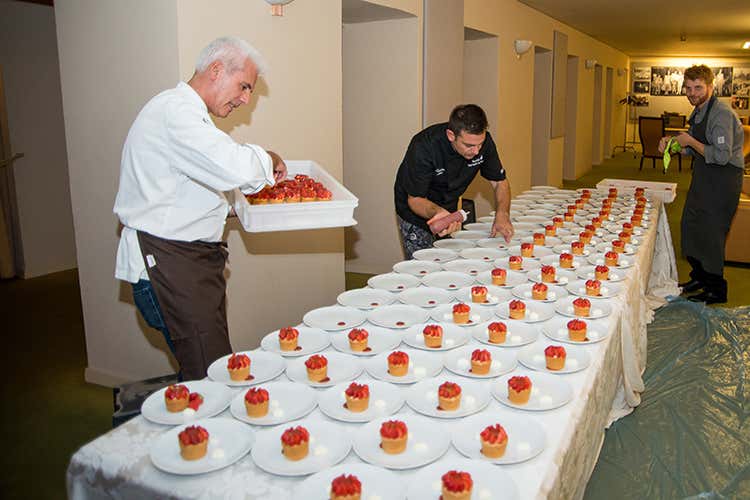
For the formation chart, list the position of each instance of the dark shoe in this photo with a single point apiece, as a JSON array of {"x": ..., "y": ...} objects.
[
  {"x": 709, "y": 298},
  {"x": 691, "y": 286}
]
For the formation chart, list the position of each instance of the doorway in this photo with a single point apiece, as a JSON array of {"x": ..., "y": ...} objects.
[
  {"x": 596, "y": 124},
  {"x": 541, "y": 116},
  {"x": 571, "y": 119},
  {"x": 609, "y": 83},
  {"x": 11, "y": 256}
]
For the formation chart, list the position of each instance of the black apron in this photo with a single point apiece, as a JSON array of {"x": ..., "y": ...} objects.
[
  {"x": 188, "y": 280},
  {"x": 710, "y": 205}
]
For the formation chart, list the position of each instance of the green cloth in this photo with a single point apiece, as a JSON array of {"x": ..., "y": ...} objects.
[{"x": 672, "y": 147}]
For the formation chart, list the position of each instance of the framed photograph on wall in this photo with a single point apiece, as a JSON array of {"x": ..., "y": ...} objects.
[
  {"x": 722, "y": 81},
  {"x": 741, "y": 82},
  {"x": 641, "y": 87},
  {"x": 666, "y": 80},
  {"x": 740, "y": 102},
  {"x": 641, "y": 73}
]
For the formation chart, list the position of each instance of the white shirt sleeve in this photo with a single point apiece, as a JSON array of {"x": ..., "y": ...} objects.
[{"x": 211, "y": 157}]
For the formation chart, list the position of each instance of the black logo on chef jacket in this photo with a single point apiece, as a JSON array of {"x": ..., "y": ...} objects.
[{"x": 477, "y": 160}]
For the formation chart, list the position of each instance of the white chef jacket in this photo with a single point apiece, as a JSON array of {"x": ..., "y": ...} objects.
[{"x": 175, "y": 168}]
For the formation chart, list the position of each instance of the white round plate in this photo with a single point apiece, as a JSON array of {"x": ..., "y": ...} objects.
[
  {"x": 553, "y": 292},
  {"x": 566, "y": 248},
  {"x": 623, "y": 261},
  {"x": 527, "y": 264},
  {"x": 264, "y": 366},
  {"x": 438, "y": 255},
  {"x": 567, "y": 240},
  {"x": 334, "y": 318},
  {"x": 459, "y": 361},
  {"x": 328, "y": 446},
  {"x": 365, "y": 298},
  {"x": 606, "y": 247},
  {"x": 543, "y": 188},
  {"x": 477, "y": 315},
  {"x": 589, "y": 273},
  {"x": 468, "y": 266},
  {"x": 635, "y": 241},
  {"x": 535, "y": 311},
  {"x": 606, "y": 291},
  {"x": 428, "y": 440},
  {"x": 422, "y": 397},
  {"x": 526, "y": 437},
  {"x": 385, "y": 399},
  {"x": 453, "y": 336},
  {"x": 421, "y": 365},
  {"x": 478, "y": 226},
  {"x": 425, "y": 296},
  {"x": 379, "y": 340},
  {"x": 448, "y": 280},
  {"x": 513, "y": 278},
  {"x": 616, "y": 228},
  {"x": 228, "y": 441},
  {"x": 341, "y": 368},
  {"x": 644, "y": 223},
  {"x": 470, "y": 235},
  {"x": 529, "y": 195},
  {"x": 485, "y": 254},
  {"x": 539, "y": 212},
  {"x": 493, "y": 244},
  {"x": 549, "y": 241},
  {"x": 216, "y": 398},
  {"x": 533, "y": 219},
  {"x": 538, "y": 253},
  {"x": 528, "y": 226},
  {"x": 451, "y": 244},
  {"x": 554, "y": 260},
  {"x": 287, "y": 401},
  {"x": 495, "y": 295},
  {"x": 547, "y": 391},
  {"x": 376, "y": 483},
  {"x": 417, "y": 268},
  {"x": 398, "y": 316},
  {"x": 599, "y": 308},
  {"x": 562, "y": 276},
  {"x": 394, "y": 282},
  {"x": 519, "y": 333},
  {"x": 557, "y": 329},
  {"x": 427, "y": 484},
  {"x": 576, "y": 358},
  {"x": 310, "y": 341},
  {"x": 488, "y": 218}
]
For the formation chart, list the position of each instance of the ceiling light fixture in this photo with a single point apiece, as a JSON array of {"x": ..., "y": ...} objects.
[{"x": 277, "y": 6}]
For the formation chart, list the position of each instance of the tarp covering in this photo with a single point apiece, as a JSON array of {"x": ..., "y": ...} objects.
[{"x": 690, "y": 437}]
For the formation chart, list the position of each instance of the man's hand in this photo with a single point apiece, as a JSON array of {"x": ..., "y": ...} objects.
[
  {"x": 663, "y": 143},
  {"x": 452, "y": 228},
  {"x": 503, "y": 226},
  {"x": 685, "y": 139},
  {"x": 279, "y": 167}
]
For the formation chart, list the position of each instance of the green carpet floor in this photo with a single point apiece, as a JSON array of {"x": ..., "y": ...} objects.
[{"x": 50, "y": 411}]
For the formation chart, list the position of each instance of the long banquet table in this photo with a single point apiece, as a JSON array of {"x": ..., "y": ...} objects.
[{"x": 117, "y": 464}]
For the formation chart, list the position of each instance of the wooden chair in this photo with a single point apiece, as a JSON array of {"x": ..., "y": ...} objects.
[
  {"x": 675, "y": 121},
  {"x": 650, "y": 131}
]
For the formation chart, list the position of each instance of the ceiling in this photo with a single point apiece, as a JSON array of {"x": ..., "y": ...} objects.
[{"x": 653, "y": 28}]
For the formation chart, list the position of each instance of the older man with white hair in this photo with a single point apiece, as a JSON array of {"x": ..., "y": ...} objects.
[{"x": 176, "y": 165}]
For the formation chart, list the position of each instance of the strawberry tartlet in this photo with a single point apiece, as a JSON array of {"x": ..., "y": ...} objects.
[
  {"x": 479, "y": 294},
  {"x": 519, "y": 390},
  {"x": 461, "y": 313},
  {"x": 515, "y": 262},
  {"x": 494, "y": 441},
  {"x": 554, "y": 357},
  {"x": 481, "y": 361},
  {"x": 456, "y": 485},
  {"x": 548, "y": 274},
  {"x": 346, "y": 487},
  {"x": 433, "y": 336},
  {"x": 317, "y": 368},
  {"x": 527, "y": 249},
  {"x": 539, "y": 291},
  {"x": 581, "y": 307},
  {"x": 176, "y": 398},
  {"x": 295, "y": 443},
  {"x": 593, "y": 288},
  {"x": 496, "y": 332},
  {"x": 288, "y": 339},
  {"x": 393, "y": 436},
  {"x": 516, "y": 309},
  {"x": 601, "y": 272},
  {"x": 398, "y": 363},
  {"x": 449, "y": 396},
  {"x": 193, "y": 442},
  {"x": 238, "y": 366},
  {"x": 358, "y": 339},
  {"x": 611, "y": 258},
  {"x": 256, "y": 402},
  {"x": 499, "y": 276},
  {"x": 357, "y": 397},
  {"x": 577, "y": 330}
]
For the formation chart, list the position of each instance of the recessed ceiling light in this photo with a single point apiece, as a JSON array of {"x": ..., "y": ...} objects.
[{"x": 746, "y": 45}]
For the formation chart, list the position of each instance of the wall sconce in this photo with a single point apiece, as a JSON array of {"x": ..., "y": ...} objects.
[
  {"x": 590, "y": 63},
  {"x": 621, "y": 71},
  {"x": 277, "y": 6},
  {"x": 521, "y": 47}
]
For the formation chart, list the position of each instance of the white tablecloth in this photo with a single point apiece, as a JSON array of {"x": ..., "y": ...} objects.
[{"x": 117, "y": 464}]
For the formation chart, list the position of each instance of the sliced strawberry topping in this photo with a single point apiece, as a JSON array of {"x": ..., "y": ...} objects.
[
  {"x": 295, "y": 435},
  {"x": 449, "y": 390},
  {"x": 194, "y": 434},
  {"x": 359, "y": 391},
  {"x": 398, "y": 358},
  {"x": 457, "y": 482},
  {"x": 237, "y": 361},
  {"x": 494, "y": 434},
  {"x": 256, "y": 395},
  {"x": 316, "y": 361},
  {"x": 346, "y": 485},
  {"x": 393, "y": 429},
  {"x": 555, "y": 351},
  {"x": 519, "y": 384},
  {"x": 481, "y": 355}
]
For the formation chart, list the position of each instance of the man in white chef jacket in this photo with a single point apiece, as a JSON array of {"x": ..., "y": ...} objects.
[{"x": 176, "y": 166}]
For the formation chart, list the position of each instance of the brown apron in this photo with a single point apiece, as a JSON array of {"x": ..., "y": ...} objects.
[{"x": 188, "y": 280}]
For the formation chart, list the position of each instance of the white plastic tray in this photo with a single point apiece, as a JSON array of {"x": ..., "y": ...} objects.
[
  {"x": 667, "y": 191},
  {"x": 338, "y": 212}
]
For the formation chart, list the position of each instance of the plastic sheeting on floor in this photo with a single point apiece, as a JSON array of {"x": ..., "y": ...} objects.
[{"x": 690, "y": 437}]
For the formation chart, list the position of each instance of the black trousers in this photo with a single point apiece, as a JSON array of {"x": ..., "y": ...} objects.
[{"x": 712, "y": 282}]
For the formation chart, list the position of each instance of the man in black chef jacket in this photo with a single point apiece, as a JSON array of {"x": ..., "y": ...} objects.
[
  {"x": 439, "y": 165},
  {"x": 714, "y": 139}
]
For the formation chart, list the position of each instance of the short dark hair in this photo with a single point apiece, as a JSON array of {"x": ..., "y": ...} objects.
[
  {"x": 468, "y": 117},
  {"x": 701, "y": 72}
]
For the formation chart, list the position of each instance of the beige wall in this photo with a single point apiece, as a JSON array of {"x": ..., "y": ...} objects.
[
  {"x": 141, "y": 48},
  {"x": 28, "y": 55},
  {"x": 382, "y": 110},
  {"x": 443, "y": 59},
  {"x": 510, "y": 20}
]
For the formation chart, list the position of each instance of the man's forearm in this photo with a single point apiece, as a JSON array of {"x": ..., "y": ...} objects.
[
  {"x": 502, "y": 197},
  {"x": 424, "y": 207}
]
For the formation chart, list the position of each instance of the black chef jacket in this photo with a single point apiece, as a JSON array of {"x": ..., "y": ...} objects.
[{"x": 432, "y": 169}]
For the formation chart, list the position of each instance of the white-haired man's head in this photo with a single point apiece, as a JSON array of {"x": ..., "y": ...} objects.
[
  {"x": 225, "y": 74},
  {"x": 232, "y": 52}
]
